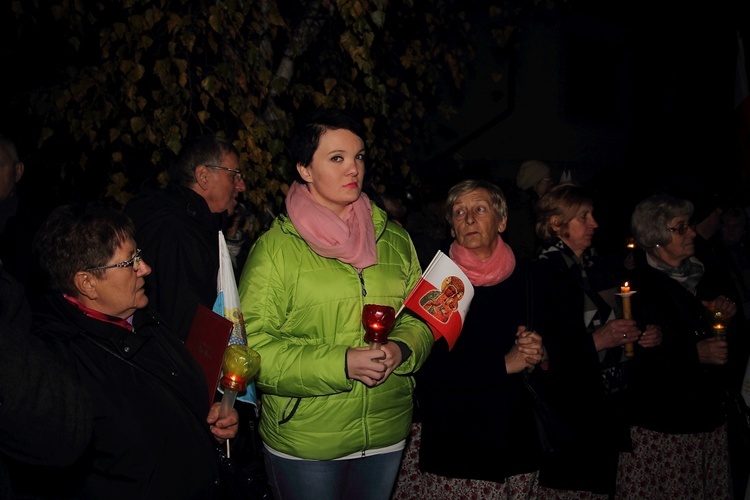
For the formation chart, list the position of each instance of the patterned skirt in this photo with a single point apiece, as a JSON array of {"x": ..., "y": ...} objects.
[
  {"x": 675, "y": 466},
  {"x": 413, "y": 484}
]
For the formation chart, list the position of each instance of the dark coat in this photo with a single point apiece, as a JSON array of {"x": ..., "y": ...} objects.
[
  {"x": 179, "y": 237},
  {"x": 675, "y": 393},
  {"x": 44, "y": 419},
  {"x": 576, "y": 388},
  {"x": 147, "y": 398},
  {"x": 470, "y": 407}
]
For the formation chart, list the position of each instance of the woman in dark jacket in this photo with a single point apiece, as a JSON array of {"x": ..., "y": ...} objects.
[
  {"x": 585, "y": 335},
  {"x": 679, "y": 429},
  {"x": 472, "y": 398},
  {"x": 154, "y": 435}
]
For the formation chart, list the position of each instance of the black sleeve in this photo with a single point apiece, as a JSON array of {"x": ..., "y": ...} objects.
[{"x": 44, "y": 417}]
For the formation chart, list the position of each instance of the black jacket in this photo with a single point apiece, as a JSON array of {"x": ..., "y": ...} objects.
[
  {"x": 576, "y": 389},
  {"x": 44, "y": 419},
  {"x": 147, "y": 399},
  {"x": 470, "y": 407},
  {"x": 675, "y": 393},
  {"x": 179, "y": 237}
]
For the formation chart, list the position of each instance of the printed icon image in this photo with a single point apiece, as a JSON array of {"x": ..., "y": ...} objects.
[{"x": 441, "y": 304}]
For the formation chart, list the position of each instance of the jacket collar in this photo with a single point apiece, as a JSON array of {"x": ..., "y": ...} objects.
[{"x": 195, "y": 206}]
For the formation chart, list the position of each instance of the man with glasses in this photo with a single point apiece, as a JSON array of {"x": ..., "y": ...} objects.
[{"x": 178, "y": 227}]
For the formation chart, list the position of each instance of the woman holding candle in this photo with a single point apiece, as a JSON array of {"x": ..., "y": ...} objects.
[
  {"x": 585, "y": 336},
  {"x": 679, "y": 429},
  {"x": 472, "y": 398},
  {"x": 335, "y": 414}
]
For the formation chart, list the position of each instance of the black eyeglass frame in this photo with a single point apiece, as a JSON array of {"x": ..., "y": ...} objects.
[
  {"x": 237, "y": 172},
  {"x": 135, "y": 262}
]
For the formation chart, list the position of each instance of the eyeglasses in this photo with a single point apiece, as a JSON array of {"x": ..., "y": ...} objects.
[
  {"x": 682, "y": 227},
  {"x": 237, "y": 173},
  {"x": 135, "y": 262}
]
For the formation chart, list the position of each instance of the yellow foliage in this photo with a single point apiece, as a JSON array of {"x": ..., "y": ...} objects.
[
  {"x": 137, "y": 123},
  {"x": 240, "y": 69}
]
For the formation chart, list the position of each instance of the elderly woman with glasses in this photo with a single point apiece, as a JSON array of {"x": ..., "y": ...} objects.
[
  {"x": 154, "y": 435},
  {"x": 679, "y": 431}
]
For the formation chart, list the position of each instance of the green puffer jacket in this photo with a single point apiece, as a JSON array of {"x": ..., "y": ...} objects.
[{"x": 302, "y": 311}]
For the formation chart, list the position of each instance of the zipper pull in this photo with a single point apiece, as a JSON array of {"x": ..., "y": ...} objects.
[{"x": 362, "y": 282}]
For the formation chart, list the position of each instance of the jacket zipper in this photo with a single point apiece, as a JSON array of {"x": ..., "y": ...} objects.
[
  {"x": 362, "y": 282},
  {"x": 364, "y": 294}
]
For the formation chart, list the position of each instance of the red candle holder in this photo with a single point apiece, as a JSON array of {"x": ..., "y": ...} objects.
[{"x": 377, "y": 321}]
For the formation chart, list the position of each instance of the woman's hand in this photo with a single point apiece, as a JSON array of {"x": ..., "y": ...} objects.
[
  {"x": 615, "y": 333},
  {"x": 651, "y": 336},
  {"x": 368, "y": 365},
  {"x": 393, "y": 358},
  {"x": 721, "y": 304},
  {"x": 222, "y": 428},
  {"x": 527, "y": 352},
  {"x": 712, "y": 351}
]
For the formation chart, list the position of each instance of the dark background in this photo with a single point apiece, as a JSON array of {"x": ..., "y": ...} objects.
[{"x": 627, "y": 96}]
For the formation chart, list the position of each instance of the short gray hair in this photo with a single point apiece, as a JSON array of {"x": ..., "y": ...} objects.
[
  {"x": 497, "y": 197},
  {"x": 651, "y": 217}
]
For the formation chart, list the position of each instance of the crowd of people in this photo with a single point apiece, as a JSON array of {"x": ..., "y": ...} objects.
[{"x": 576, "y": 374}]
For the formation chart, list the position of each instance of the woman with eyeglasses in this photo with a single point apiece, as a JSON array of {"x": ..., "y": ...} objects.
[
  {"x": 585, "y": 334},
  {"x": 679, "y": 432},
  {"x": 154, "y": 435}
]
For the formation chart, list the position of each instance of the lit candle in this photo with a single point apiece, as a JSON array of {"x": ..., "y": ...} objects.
[
  {"x": 720, "y": 331},
  {"x": 627, "y": 314}
]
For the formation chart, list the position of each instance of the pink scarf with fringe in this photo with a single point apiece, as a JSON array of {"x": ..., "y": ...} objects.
[
  {"x": 350, "y": 240},
  {"x": 485, "y": 272}
]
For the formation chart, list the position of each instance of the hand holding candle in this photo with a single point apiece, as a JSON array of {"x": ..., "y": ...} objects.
[
  {"x": 718, "y": 324},
  {"x": 627, "y": 313},
  {"x": 377, "y": 321},
  {"x": 239, "y": 364}
]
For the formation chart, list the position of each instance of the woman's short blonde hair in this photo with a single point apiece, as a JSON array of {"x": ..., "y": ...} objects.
[{"x": 562, "y": 201}]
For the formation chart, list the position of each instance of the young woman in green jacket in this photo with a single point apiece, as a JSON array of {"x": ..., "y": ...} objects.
[{"x": 334, "y": 413}]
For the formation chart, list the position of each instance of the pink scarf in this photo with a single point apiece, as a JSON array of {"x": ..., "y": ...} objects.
[
  {"x": 485, "y": 272},
  {"x": 351, "y": 240}
]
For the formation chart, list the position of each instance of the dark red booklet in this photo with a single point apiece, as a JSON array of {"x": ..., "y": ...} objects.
[{"x": 207, "y": 341}]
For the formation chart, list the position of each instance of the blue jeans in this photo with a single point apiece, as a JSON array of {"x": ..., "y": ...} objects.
[{"x": 369, "y": 478}]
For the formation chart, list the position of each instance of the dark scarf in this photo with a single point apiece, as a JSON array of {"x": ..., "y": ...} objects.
[{"x": 586, "y": 272}]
